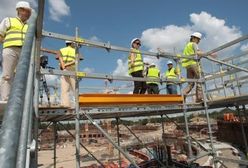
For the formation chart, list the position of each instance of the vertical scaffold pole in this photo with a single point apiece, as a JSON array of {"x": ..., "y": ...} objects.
[
  {"x": 237, "y": 81},
  {"x": 34, "y": 157},
  {"x": 242, "y": 130},
  {"x": 203, "y": 85},
  {"x": 77, "y": 122},
  {"x": 54, "y": 143},
  {"x": 186, "y": 122},
  {"x": 118, "y": 139},
  {"x": 222, "y": 80},
  {"x": 22, "y": 150},
  {"x": 185, "y": 113}
]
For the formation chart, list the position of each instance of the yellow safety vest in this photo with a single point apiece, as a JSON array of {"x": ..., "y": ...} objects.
[
  {"x": 188, "y": 51},
  {"x": 171, "y": 74},
  {"x": 153, "y": 72},
  {"x": 138, "y": 62},
  {"x": 15, "y": 35},
  {"x": 68, "y": 54}
]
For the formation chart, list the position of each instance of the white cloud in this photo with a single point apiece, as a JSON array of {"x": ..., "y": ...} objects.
[
  {"x": 215, "y": 32},
  {"x": 88, "y": 70},
  {"x": 58, "y": 9},
  {"x": 7, "y": 7},
  {"x": 166, "y": 38},
  {"x": 122, "y": 69}
]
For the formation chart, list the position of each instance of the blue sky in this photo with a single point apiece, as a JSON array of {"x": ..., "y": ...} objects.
[{"x": 159, "y": 23}]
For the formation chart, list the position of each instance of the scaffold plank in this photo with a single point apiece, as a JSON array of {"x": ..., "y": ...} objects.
[
  {"x": 124, "y": 110},
  {"x": 113, "y": 99}
]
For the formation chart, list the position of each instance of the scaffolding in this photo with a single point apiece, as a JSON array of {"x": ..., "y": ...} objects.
[{"x": 22, "y": 116}]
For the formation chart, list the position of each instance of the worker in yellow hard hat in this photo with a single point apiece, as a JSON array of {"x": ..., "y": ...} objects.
[
  {"x": 12, "y": 35},
  {"x": 136, "y": 66}
]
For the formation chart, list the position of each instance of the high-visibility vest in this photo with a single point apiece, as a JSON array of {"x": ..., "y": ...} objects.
[
  {"x": 188, "y": 51},
  {"x": 15, "y": 35},
  {"x": 170, "y": 74},
  {"x": 153, "y": 72},
  {"x": 68, "y": 54},
  {"x": 138, "y": 62}
]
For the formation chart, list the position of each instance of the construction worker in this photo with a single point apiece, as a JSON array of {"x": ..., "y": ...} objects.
[
  {"x": 192, "y": 66},
  {"x": 12, "y": 35},
  {"x": 67, "y": 57},
  {"x": 136, "y": 66},
  {"x": 153, "y": 72},
  {"x": 171, "y": 74}
]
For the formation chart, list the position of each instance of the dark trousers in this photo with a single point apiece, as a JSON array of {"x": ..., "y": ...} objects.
[
  {"x": 171, "y": 89},
  {"x": 152, "y": 88},
  {"x": 139, "y": 87}
]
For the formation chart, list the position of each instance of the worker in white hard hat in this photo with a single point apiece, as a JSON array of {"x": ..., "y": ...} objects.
[
  {"x": 192, "y": 66},
  {"x": 136, "y": 66},
  {"x": 171, "y": 74},
  {"x": 154, "y": 73},
  {"x": 67, "y": 59},
  {"x": 12, "y": 35}
]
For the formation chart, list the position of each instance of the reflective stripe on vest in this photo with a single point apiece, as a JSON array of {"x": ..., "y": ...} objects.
[
  {"x": 138, "y": 62},
  {"x": 153, "y": 72},
  {"x": 188, "y": 51},
  {"x": 68, "y": 54},
  {"x": 15, "y": 35}
]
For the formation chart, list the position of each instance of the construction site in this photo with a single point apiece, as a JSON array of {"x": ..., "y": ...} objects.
[{"x": 112, "y": 129}]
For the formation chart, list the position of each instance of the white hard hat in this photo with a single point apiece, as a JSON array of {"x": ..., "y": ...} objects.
[
  {"x": 152, "y": 64},
  {"x": 197, "y": 34},
  {"x": 68, "y": 41},
  {"x": 23, "y": 4},
  {"x": 133, "y": 40},
  {"x": 169, "y": 62}
]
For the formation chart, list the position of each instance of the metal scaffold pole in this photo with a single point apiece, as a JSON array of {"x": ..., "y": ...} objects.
[
  {"x": 203, "y": 87},
  {"x": 34, "y": 157},
  {"x": 10, "y": 132},
  {"x": 222, "y": 79},
  {"x": 77, "y": 120},
  {"x": 55, "y": 135},
  {"x": 118, "y": 139},
  {"x": 186, "y": 122},
  {"x": 110, "y": 140},
  {"x": 22, "y": 150}
]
